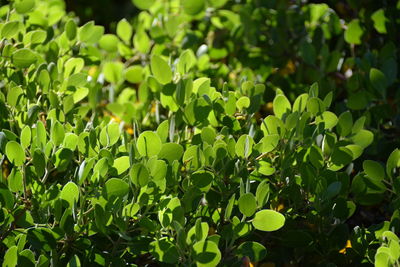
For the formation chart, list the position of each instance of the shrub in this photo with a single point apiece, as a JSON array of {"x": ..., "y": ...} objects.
[{"x": 129, "y": 148}]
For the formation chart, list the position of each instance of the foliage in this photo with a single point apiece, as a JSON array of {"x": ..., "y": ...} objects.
[{"x": 191, "y": 136}]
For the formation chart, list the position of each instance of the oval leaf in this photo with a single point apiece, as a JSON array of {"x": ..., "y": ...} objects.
[{"x": 268, "y": 220}]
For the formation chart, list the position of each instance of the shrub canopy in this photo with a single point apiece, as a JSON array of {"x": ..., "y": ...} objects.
[{"x": 200, "y": 133}]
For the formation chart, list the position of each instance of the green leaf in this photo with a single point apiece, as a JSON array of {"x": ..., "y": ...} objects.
[
  {"x": 328, "y": 99},
  {"x": 242, "y": 103},
  {"x": 131, "y": 210},
  {"x": 113, "y": 72},
  {"x": 141, "y": 41},
  {"x": 186, "y": 61},
  {"x": 164, "y": 251},
  {"x": 90, "y": 33},
  {"x": 139, "y": 175},
  {"x": 160, "y": 69},
  {"x": 358, "y": 125},
  {"x": 281, "y": 106},
  {"x": 315, "y": 156},
  {"x": 268, "y": 220},
  {"x": 37, "y": 37},
  {"x": 230, "y": 104},
  {"x": 197, "y": 111},
  {"x": 74, "y": 262},
  {"x": 229, "y": 208},
  {"x": 57, "y": 133},
  {"x": 172, "y": 211},
  {"x": 15, "y": 96},
  {"x": 197, "y": 233},
  {"x": 393, "y": 162},
  {"x": 341, "y": 156},
  {"x": 379, "y": 19},
  {"x": 345, "y": 123},
  {"x": 356, "y": 150},
  {"x": 333, "y": 190},
  {"x": 72, "y": 66},
  {"x": 240, "y": 229},
  {"x": 41, "y": 137},
  {"x": 193, "y": 157},
  {"x": 265, "y": 168},
  {"x": 208, "y": 135},
  {"x": 206, "y": 254},
  {"x": 121, "y": 164},
  {"x": 171, "y": 152},
  {"x": 134, "y": 74},
  {"x": 32, "y": 114},
  {"x": 101, "y": 167},
  {"x": 15, "y": 153},
  {"x": 10, "y": 29},
  {"x": 71, "y": 29},
  {"x": 254, "y": 250},
  {"x": 172, "y": 25},
  {"x": 143, "y": 4},
  {"x": 363, "y": 138},
  {"x": 80, "y": 93},
  {"x": 373, "y": 170},
  {"x": 26, "y": 136},
  {"x": 244, "y": 146},
  {"x": 269, "y": 143},
  {"x": 23, "y": 58},
  {"x": 62, "y": 159},
  {"x": 158, "y": 169},
  {"x": 193, "y": 7},
  {"x": 314, "y": 90},
  {"x": 328, "y": 118},
  {"x": 382, "y": 259},
  {"x": 389, "y": 235},
  {"x": 124, "y": 30},
  {"x": 353, "y": 32},
  {"x": 378, "y": 81},
  {"x": 110, "y": 134},
  {"x": 27, "y": 257},
  {"x": 11, "y": 257},
  {"x": 300, "y": 103},
  {"x": 315, "y": 106},
  {"x": 262, "y": 193},
  {"x": 148, "y": 144},
  {"x": 109, "y": 42},
  {"x": 76, "y": 80},
  {"x": 247, "y": 204},
  {"x": 39, "y": 162},
  {"x": 24, "y": 6},
  {"x": 6, "y": 198},
  {"x": 84, "y": 169},
  {"x": 67, "y": 222},
  {"x": 202, "y": 180},
  {"x": 3, "y": 142},
  {"x": 218, "y": 3},
  {"x": 272, "y": 125},
  {"x": 115, "y": 187},
  {"x": 70, "y": 193}
]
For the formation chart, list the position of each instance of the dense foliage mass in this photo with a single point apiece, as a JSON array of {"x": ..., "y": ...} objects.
[{"x": 200, "y": 133}]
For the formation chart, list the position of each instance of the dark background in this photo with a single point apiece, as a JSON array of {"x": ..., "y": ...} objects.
[
  {"x": 108, "y": 12},
  {"x": 103, "y": 12}
]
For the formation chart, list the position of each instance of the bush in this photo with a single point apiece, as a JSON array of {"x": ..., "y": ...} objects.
[{"x": 192, "y": 136}]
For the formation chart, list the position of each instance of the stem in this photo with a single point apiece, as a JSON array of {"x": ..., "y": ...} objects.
[{"x": 24, "y": 180}]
